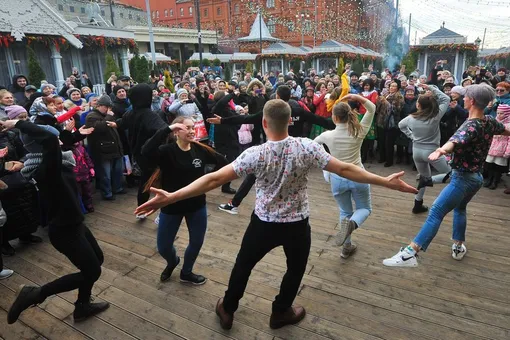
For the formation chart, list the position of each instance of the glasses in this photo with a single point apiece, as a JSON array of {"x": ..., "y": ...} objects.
[{"x": 500, "y": 90}]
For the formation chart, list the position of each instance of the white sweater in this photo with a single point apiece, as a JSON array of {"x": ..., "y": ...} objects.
[{"x": 341, "y": 144}]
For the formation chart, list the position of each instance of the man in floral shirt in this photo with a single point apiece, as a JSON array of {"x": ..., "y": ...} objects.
[
  {"x": 281, "y": 167},
  {"x": 469, "y": 147}
]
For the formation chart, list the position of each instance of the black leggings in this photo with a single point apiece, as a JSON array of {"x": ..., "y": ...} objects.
[
  {"x": 81, "y": 248},
  {"x": 243, "y": 190}
]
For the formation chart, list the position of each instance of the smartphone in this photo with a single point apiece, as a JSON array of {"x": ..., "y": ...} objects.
[
  {"x": 189, "y": 101},
  {"x": 258, "y": 91}
]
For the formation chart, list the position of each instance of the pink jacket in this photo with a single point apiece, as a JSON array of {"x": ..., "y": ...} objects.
[{"x": 500, "y": 146}]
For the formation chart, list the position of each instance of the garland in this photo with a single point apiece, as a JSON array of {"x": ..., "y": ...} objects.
[
  {"x": 88, "y": 41},
  {"x": 445, "y": 47},
  {"x": 286, "y": 56},
  {"x": 497, "y": 56}
]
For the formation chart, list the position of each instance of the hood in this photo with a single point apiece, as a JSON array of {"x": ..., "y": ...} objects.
[
  {"x": 140, "y": 96},
  {"x": 15, "y": 82}
]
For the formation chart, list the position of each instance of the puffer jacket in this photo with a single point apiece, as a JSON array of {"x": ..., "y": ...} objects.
[{"x": 104, "y": 142}]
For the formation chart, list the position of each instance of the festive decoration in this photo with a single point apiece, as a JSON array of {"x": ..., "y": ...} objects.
[
  {"x": 228, "y": 74},
  {"x": 169, "y": 83},
  {"x": 88, "y": 41},
  {"x": 35, "y": 72},
  {"x": 249, "y": 67},
  {"x": 111, "y": 67},
  {"x": 445, "y": 47},
  {"x": 341, "y": 66}
]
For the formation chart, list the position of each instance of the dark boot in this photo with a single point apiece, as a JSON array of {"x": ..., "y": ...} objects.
[
  {"x": 495, "y": 181},
  {"x": 83, "y": 310},
  {"x": 165, "y": 275},
  {"x": 291, "y": 316},
  {"x": 226, "y": 319},
  {"x": 28, "y": 296},
  {"x": 419, "y": 207},
  {"x": 487, "y": 182}
]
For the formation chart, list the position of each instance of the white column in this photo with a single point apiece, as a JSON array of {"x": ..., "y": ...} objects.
[
  {"x": 124, "y": 61},
  {"x": 283, "y": 70},
  {"x": 425, "y": 64},
  {"x": 57, "y": 64},
  {"x": 456, "y": 67}
]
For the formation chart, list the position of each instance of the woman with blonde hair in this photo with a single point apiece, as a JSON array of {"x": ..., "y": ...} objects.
[{"x": 344, "y": 143}]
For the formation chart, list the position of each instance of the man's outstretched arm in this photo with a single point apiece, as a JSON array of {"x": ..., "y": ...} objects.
[
  {"x": 357, "y": 174},
  {"x": 198, "y": 187}
]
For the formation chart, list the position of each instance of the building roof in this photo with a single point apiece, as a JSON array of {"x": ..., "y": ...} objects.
[
  {"x": 443, "y": 33},
  {"x": 34, "y": 17},
  {"x": 283, "y": 48},
  {"x": 255, "y": 32},
  {"x": 333, "y": 46},
  {"x": 224, "y": 58}
]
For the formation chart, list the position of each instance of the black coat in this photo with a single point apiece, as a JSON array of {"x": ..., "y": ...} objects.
[
  {"x": 67, "y": 138},
  {"x": 225, "y": 134},
  {"x": 104, "y": 142}
]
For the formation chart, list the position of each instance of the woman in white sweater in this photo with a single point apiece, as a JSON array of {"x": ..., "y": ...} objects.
[
  {"x": 422, "y": 127},
  {"x": 344, "y": 143}
]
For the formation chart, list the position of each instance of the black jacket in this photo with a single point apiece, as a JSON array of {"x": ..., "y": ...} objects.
[
  {"x": 225, "y": 134},
  {"x": 56, "y": 183},
  {"x": 104, "y": 142},
  {"x": 67, "y": 138}
]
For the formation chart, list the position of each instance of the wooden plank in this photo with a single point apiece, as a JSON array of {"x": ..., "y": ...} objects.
[{"x": 15, "y": 331}]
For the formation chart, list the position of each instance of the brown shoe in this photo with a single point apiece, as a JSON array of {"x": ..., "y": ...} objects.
[
  {"x": 348, "y": 250},
  {"x": 226, "y": 319},
  {"x": 291, "y": 316}
]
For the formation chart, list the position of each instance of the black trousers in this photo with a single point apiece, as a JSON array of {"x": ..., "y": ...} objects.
[
  {"x": 1, "y": 242},
  {"x": 230, "y": 151},
  {"x": 81, "y": 248},
  {"x": 260, "y": 238},
  {"x": 146, "y": 173},
  {"x": 386, "y": 144},
  {"x": 243, "y": 190}
]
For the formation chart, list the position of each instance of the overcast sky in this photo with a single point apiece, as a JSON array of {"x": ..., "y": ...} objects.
[{"x": 466, "y": 17}]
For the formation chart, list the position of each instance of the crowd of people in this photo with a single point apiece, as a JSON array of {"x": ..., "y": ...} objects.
[{"x": 180, "y": 141}]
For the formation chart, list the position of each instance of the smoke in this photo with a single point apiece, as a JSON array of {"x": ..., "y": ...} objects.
[{"x": 394, "y": 49}]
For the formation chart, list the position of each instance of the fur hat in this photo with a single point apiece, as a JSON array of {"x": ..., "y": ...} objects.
[
  {"x": 253, "y": 83},
  {"x": 466, "y": 79},
  {"x": 71, "y": 90}
]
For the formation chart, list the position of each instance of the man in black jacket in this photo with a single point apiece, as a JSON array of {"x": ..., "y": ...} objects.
[
  {"x": 141, "y": 123},
  {"x": 106, "y": 148}
]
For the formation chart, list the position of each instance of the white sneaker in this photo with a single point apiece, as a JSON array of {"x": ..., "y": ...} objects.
[
  {"x": 156, "y": 220},
  {"x": 141, "y": 217},
  {"x": 5, "y": 273},
  {"x": 458, "y": 252},
  {"x": 401, "y": 259}
]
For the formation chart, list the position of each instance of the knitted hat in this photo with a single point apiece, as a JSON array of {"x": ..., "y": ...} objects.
[
  {"x": 410, "y": 88},
  {"x": 161, "y": 83},
  {"x": 465, "y": 79},
  {"x": 200, "y": 81},
  {"x": 181, "y": 91},
  {"x": 504, "y": 108},
  {"x": 89, "y": 96},
  {"x": 164, "y": 91},
  {"x": 30, "y": 88},
  {"x": 243, "y": 83},
  {"x": 105, "y": 100},
  {"x": 14, "y": 111},
  {"x": 116, "y": 89},
  {"x": 45, "y": 86},
  {"x": 450, "y": 85},
  {"x": 71, "y": 90}
]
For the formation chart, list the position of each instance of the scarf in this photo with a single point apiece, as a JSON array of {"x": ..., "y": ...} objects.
[{"x": 34, "y": 159}]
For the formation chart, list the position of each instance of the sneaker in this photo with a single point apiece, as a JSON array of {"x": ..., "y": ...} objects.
[
  {"x": 28, "y": 296},
  {"x": 346, "y": 228},
  {"x": 291, "y": 316},
  {"x": 194, "y": 279},
  {"x": 4, "y": 274},
  {"x": 458, "y": 251},
  {"x": 141, "y": 217},
  {"x": 229, "y": 191},
  {"x": 83, "y": 310},
  {"x": 347, "y": 250},
  {"x": 401, "y": 259},
  {"x": 229, "y": 208},
  {"x": 30, "y": 239},
  {"x": 165, "y": 275},
  {"x": 156, "y": 220}
]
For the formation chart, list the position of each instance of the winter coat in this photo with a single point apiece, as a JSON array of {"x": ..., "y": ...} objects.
[
  {"x": 69, "y": 104},
  {"x": 104, "y": 142},
  {"x": 67, "y": 138},
  {"x": 179, "y": 109},
  {"x": 18, "y": 92},
  {"x": 120, "y": 106},
  {"x": 83, "y": 163},
  {"x": 244, "y": 134},
  {"x": 320, "y": 105},
  {"x": 500, "y": 146},
  {"x": 141, "y": 123},
  {"x": 225, "y": 134}
]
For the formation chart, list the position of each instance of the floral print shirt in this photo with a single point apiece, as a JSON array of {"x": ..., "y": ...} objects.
[
  {"x": 282, "y": 169},
  {"x": 472, "y": 142}
]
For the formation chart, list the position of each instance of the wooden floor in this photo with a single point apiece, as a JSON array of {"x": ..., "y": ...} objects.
[{"x": 356, "y": 298}]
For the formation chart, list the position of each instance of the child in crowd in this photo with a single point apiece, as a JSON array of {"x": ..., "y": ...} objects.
[
  {"x": 84, "y": 171},
  {"x": 244, "y": 133},
  {"x": 499, "y": 152}
]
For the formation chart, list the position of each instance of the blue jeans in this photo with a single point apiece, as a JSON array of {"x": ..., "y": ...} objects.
[
  {"x": 455, "y": 196},
  {"x": 109, "y": 176},
  {"x": 167, "y": 230},
  {"x": 344, "y": 191}
]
